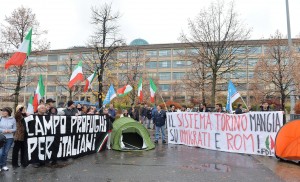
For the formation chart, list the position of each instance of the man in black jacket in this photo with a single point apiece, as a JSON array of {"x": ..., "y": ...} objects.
[
  {"x": 160, "y": 120},
  {"x": 239, "y": 109}
]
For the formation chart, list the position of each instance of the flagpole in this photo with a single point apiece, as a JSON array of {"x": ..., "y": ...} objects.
[
  {"x": 25, "y": 83},
  {"x": 244, "y": 103},
  {"x": 163, "y": 101}
]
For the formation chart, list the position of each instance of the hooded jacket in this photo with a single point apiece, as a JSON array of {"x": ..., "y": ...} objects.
[{"x": 8, "y": 123}]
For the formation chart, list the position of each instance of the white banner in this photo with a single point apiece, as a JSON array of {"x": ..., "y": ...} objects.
[{"x": 249, "y": 133}]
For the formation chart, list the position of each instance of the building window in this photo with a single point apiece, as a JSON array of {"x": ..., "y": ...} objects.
[
  {"x": 52, "y": 68},
  {"x": 63, "y": 78},
  {"x": 42, "y": 59},
  {"x": 32, "y": 58},
  {"x": 252, "y": 62},
  {"x": 239, "y": 74},
  {"x": 238, "y": 50},
  {"x": 164, "y": 53},
  {"x": 254, "y": 49},
  {"x": 123, "y": 54},
  {"x": 51, "y": 88},
  {"x": 52, "y": 58},
  {"x": 164, "y": 75},
  {"x": 152, "y": 75},
  {"x": 192, "y": 52},
  {"x": 151, "y": 53},
  {"x": 250, "y": 74},
  {"x": 178, "y": 75},
  {"x": 164, "y": 87},
  {"x": 62, "y": 68},
  {"x": 151, "y": 64},
  {"x": 64, "y": 57},
  {"x": 178, "y": 52},
  {"x": 51, "y": 78},
  {"x": 164, "y": 64},
  {"x": 179, "y": 64}
]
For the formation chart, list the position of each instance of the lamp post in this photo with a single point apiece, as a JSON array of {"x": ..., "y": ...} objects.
[{"x": 291, "y": 88}]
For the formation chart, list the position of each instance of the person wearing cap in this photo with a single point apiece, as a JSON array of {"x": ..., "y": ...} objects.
[
  {"x": 49, "y": 105},
  {"x": 19, "y": 142},
  {"x": 71, "y": 109},
  {"x": 7, "y": 127}
]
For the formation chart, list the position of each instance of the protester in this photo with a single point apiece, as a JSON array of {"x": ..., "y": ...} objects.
[
  {"x": 159, "y": 119},
  {"x": 7, "y": 128},
  {"x": 71, "y": 109},
  {"x": 144, "y": 114},
  {"x": 84, "y": 110},
  {"x": 203, "y": 108},
  {"x": 125, "y": 114},
  {"x": 265, "y": 107},
  {"x": 49, "y": 105},
  {"x": 183, "y": 108},
  {"x": 219, "y": 108},
  {"x": 91, "y": 110},
  {"x": 110, "y": 127},
  {"x": 154, "y": 110},
  {"x": 134, "y": 114},
  {"x": 239, "y": 109},
  {"x": 148, "y": 117},
  {"x": 112, "y": 112},
  {"x": 172, "y": 108},
  {"x": 53, "y": 111},
  {"x": 19, "y": 143},
  {"x": 41, "y": 110},
  {"x": 79, "y": 108}
]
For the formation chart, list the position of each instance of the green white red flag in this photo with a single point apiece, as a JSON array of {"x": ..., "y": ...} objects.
[
  {"x": 77, "y": 75},
  {"x": 88, "y": 82},
  {"x": 39, "y": 93},
  {"x": 124, "y": 90},
  {"x": 140, "y": 90},
  {"x": 22, "y": 53},
  {"x": 30, "y": 106},
  {"x": 153, "y": 89}
]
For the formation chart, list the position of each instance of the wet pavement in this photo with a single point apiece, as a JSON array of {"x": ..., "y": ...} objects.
[{"x": 164, "y": 163}]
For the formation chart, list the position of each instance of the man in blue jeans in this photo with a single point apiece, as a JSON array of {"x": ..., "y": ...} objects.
[{"x": 160, "y": 120}]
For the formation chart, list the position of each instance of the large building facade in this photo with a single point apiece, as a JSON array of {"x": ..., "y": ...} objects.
[{"x": 166, "y": 63}]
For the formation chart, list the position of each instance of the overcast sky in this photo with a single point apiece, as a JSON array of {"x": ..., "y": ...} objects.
[{"x": 157, "y": 21}]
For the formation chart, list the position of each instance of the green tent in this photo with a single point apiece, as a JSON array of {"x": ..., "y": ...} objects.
[{"x": 128, "y": 135}]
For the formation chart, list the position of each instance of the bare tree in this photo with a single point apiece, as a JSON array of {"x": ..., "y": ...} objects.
[
  {"x": 216, "y": 35},
  {"x": 13, "y": 32},
  {"x": 104, "y": 41},
  {"x": 275, "y": 72}
]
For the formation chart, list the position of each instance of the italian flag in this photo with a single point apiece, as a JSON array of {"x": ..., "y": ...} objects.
[
  {"x": 124, "y": 90},
  {"x": 88, "y": 81},
  {"x": 24, "y": 50},
  {"x": 30, "y": 106},
  {"x": 140, "y": 88},
  {"x": 152, "y": 90},
  {"x": 39, "y": 93},
  {"x": 77, "y": 75}
]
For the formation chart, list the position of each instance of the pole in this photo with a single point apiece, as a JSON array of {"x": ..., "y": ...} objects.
[
  {"x": 290, "y": 44},
  {"x": 163, "y": 101},
  {"x": 25, "y": 84}
]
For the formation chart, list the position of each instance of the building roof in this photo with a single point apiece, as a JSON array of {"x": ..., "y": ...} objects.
[{"x": 138, "y": 42}]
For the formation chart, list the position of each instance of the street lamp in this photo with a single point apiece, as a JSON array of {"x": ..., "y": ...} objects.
[{"x": 291, "y": 87}]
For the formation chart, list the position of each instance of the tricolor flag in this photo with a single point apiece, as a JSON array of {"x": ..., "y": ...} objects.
[
  {"x": 140, "y": 89},
  {"x": 88, "y": 82},
  {"x": 39, "y": 93},
  {"x": 24, "y": 50},
  {"x": 111, "y": 93},
  {"x": 232, "y": 96},
  {"x": 152, "y": 90},
  {"x": 30, "y": 106},
  {"x": 124, "y": 90},
  {"x": 77, "y": 75}
]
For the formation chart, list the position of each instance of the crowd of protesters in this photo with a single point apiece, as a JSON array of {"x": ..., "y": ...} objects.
[{"x": 12, "y": 127}]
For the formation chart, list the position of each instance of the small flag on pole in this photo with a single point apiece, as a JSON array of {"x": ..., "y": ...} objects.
[
  {"x": 39, "y": 93},
  {"x": 153, "y": 89},
  {"x": 124, "y": 90},
  {"x": 232, "y": 96},
  {"x": 24, "y": 50},
  {"x": 77, "y": 75},
  {"x": 140, "y": 90},
  {"x": 89, "y": 81},
  {"x": 30, "y": 106},
  {"x": 111, "y": 94}
]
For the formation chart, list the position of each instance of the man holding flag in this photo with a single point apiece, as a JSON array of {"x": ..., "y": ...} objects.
[{"x": 232, "y": 96}]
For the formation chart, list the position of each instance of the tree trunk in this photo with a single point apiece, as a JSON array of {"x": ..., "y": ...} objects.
[
  {"x": 100, "y": 88},
  {"x": 213, "y": 89},
  {"x": 18, "y": 88}
]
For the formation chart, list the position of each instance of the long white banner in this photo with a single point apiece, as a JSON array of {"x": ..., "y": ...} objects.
[{"x": 249, "y": 133}]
